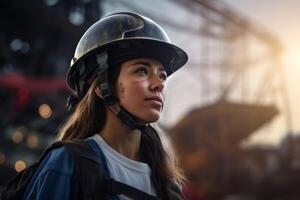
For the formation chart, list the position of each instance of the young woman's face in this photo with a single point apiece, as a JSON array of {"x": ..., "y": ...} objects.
[{"x": 140, "y": 88}]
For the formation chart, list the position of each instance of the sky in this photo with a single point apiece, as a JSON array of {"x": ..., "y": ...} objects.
[{"x": 281, "y": 18}]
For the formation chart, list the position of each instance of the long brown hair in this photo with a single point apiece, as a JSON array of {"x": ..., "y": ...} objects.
[{"x": 89, "y": 118}]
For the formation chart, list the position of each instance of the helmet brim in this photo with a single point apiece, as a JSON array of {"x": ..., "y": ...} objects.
[{"x": 171, "y": 56}]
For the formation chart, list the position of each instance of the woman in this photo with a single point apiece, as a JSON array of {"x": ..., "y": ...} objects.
[{"x": 117, "y": 76}]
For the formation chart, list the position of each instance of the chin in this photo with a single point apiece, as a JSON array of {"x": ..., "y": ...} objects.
[
  {"x": 149, "y": 117},
  {"x": 152, "y": 117},
  {"x": 152, "y": 120}
]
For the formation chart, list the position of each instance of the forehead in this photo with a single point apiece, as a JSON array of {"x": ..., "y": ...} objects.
[{"x": 146, "y": 61}]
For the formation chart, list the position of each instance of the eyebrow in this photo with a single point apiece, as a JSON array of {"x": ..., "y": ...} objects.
[{"x": 148, "y": 65}]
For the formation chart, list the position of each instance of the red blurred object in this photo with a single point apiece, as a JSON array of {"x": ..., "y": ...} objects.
[
  {"x": 23, "y": 98},
  {"x": 23, "y": 87},
  {"x": 33, "y": 85}
]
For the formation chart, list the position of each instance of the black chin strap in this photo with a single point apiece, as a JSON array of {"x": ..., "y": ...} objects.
[
  {"x": 129, "y": 120},
  {"x": 109, "y": 99}
]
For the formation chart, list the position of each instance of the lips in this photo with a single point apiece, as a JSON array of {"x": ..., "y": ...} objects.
[{"x": 157, "y": 99}]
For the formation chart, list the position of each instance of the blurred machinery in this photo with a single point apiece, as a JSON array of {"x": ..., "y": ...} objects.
[
  {"x": 234, "y": 78},
  {"x": 208, "y": 140},
  {"x": 245, "y": 88}
]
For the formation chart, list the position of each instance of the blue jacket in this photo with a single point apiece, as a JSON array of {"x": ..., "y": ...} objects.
[{"x": 55, "y": 178}]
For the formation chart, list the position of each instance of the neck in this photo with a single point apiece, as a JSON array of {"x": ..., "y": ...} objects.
[{"x": 120, "y": 137}]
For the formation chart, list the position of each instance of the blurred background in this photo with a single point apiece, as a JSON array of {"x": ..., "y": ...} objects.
[{"x": 231, "y": 113}]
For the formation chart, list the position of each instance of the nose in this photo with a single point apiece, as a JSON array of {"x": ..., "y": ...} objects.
[{"x": 157, "y": 84}]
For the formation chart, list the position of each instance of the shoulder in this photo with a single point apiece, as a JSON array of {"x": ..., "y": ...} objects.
[
  {"x": 58, "y": 160},
  {"x": 53, "y": 178}
]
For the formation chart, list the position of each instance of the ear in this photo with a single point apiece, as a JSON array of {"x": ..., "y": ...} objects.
[{"x": 98, "y": 92}]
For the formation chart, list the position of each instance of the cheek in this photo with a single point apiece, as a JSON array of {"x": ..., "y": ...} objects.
[
  {"x": 121, "y": 90},
  {"x": 132, "y": 91}
]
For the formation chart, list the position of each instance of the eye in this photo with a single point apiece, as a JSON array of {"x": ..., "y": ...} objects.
[
  {"x": 142, "y": 71},
  {"x": 163, "y": 76}
]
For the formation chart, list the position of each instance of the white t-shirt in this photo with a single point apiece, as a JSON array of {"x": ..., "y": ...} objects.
[{"x": 122, "y": 169}]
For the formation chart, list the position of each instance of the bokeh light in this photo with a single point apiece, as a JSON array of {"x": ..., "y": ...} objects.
[
  {"x": 17, "y": 137},
  {"x": 32, "y": 141},
  {"x": 45, "y": 111},
  {"x": 20, "y": 165}
]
